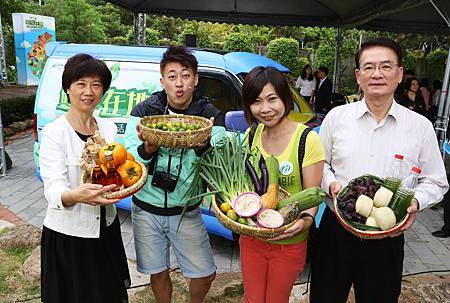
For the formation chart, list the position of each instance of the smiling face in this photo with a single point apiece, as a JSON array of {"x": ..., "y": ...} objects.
[
  {"x": 179, "y": 83},
  {"x": 379, "y": 73},
  {"x": 268, "y": 108},
  {"x": 85, "y": 93}
]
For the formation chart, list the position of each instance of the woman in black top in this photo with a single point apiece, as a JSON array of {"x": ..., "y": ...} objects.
[{"x": 413, "y": 99}]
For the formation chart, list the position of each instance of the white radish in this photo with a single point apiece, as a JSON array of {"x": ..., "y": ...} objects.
[
  {"x": 364, "y": 205},
  {"x": 382, "y": 197}
]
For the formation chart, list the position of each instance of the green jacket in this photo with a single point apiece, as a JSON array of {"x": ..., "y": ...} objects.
[{"x": 155, "y": 196}]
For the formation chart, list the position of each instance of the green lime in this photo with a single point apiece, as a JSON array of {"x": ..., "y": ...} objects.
[
  {"x": 165, "y": 128},
  {"x": 178, "y": 124},
  {"x": 232, "y": 215},
  {"x": 160, "y": 125},
  {"x": 242, "y": 221}
]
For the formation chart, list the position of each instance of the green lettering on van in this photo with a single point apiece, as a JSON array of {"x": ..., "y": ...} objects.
[{"x": 116, "y": 103}]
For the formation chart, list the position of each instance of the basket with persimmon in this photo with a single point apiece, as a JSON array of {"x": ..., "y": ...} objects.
[{"x": 106, "y": 164}]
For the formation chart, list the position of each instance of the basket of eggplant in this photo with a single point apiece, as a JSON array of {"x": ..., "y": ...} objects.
[{"x": 369, "y": 207}]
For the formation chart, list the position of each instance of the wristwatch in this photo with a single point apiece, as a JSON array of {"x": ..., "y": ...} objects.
[{"x": 306, "y": 215}]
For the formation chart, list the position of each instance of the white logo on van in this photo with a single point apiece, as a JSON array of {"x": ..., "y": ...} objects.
[{"x": 286, "y": 168}]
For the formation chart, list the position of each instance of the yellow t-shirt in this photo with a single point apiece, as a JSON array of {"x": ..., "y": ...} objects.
[{"x": 289, "y": 172}]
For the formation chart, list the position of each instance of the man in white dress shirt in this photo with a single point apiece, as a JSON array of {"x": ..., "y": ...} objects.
[{"x": 361, "y": 138}]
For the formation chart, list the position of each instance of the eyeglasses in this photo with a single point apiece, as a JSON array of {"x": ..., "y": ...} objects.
[{"x": 384, "y": 68}]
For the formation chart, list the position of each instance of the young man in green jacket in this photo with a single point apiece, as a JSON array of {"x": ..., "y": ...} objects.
[{"x": 157, "y": 207}]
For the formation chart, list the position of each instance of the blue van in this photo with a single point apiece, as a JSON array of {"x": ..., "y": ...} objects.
[{"x": 135, "y": 76}]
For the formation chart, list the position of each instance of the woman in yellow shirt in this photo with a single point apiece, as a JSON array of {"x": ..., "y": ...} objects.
[{"x": 269, "y": 269}]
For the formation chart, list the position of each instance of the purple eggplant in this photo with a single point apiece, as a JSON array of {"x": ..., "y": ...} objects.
[
  {"x": 264, "y": 174},
  {"x": 254, "y": 176}
]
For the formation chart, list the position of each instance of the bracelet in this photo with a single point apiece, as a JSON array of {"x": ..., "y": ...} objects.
[{"x": 303, "y": 215}]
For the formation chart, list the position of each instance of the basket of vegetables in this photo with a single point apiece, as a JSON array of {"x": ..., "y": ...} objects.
[
  {"x": 246, "y": 216},
  {"x": 107, "y": 164},
  {"x": 175, "y": 130},
  {"x": 371, "y": 208},
  {"x": 244, "y": 201}
]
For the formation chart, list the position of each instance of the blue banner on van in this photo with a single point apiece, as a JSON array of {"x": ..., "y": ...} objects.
[{"x": 31, "y": 34}]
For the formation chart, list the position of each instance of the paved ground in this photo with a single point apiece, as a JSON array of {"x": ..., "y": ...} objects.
[{"x": 22, "y": 193}]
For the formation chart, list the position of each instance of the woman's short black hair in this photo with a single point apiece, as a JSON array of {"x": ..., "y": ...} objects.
[
  {"x": 254, "y": 83},
  {"x": 84, "y": 65}
]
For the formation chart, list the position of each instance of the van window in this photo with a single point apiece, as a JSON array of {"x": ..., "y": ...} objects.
[{"x": 221, "y": 91}]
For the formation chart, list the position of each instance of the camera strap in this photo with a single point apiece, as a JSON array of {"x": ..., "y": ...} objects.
[{"x": 156, "y": 157}]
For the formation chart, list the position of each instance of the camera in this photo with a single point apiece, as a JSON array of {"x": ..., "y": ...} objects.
[{"x": 164, "y": 181}]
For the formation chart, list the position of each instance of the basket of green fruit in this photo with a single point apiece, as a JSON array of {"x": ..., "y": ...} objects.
[
  {"x": 370, "y": 208},
  {"x": 175, "y": 130}
]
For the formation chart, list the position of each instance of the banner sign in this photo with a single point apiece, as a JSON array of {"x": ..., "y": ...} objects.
[{"x": 31, "y": 33}]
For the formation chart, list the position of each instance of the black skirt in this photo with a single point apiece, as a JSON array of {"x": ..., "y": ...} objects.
[{"x": 84, "y": 270}]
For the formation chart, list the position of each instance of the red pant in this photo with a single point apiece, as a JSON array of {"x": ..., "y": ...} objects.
[{"x": 270, "y": 270}]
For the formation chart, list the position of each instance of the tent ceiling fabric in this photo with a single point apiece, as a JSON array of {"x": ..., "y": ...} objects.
[{"x": 416, "y": 16}]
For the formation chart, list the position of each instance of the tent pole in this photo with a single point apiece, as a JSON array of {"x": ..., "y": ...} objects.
[
  {"x": 139, "y": 28},
  {"x": 443, "y": 99},
  {"x": 336, "y": 60}
]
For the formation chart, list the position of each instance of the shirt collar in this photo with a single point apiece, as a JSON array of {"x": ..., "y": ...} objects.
[{"x": 363, "y": 109}]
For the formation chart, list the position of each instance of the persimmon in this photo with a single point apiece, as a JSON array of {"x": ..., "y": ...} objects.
[
  {"x": 130, "y": 172},
  {"x": 119, "y": 153},
  {"x": 130, "y": 156}
]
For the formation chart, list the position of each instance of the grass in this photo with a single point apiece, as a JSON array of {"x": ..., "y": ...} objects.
[
  {"x": 13, "y": 286},
  {"x": 180, "y": 293}
]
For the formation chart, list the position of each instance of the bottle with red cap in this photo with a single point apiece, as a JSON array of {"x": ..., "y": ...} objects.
[
  {"x": 413, "y": 179},
  {"x": 395, "y": 175}
]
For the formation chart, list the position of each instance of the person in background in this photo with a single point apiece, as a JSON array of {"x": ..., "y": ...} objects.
[
  {"x": 324, "y": 92},
  {"x": 444, "y": 232},
  {"x": 157, "y": 207},
  {"x": 270, "y": 268},
  {"x": 306, "y": 84},
  {"x": 435, "y": 96},
  {"x": 402, "y": 88},
  {"x": 425, "y": 91},
  {"x": 413, "y": 99},
  {"x": 362, "y": 138},
  {"x": 82, "y": 255}
]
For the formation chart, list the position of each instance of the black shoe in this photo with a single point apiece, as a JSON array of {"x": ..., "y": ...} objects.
[{"x": 441, "y": 233}]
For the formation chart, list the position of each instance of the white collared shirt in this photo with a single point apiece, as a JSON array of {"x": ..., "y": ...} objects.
[
  {"x": 321, "y": 81},
  {"x": 59, "y": 159},
  {"x": 306, "y": 86},
  {"x": 355, "y": 144}
]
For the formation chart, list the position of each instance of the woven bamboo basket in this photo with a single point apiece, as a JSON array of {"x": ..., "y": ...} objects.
[
  {"x": 176, "y": 139},
  {"x": 123, "y": 193},
  {"x": 366, "y": 234},
  {"x": 258, "y": 232}
]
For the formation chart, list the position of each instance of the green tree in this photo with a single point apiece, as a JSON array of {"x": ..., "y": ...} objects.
[
  {"x": 285, "y": 51},
  {"x": 76, "y": 21},
  {"x": 436, "y": 64},
  {"x": 116, "y": 20},
  {"x": 152, "y": 37},
  {"x": 238, "y": 42}
]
